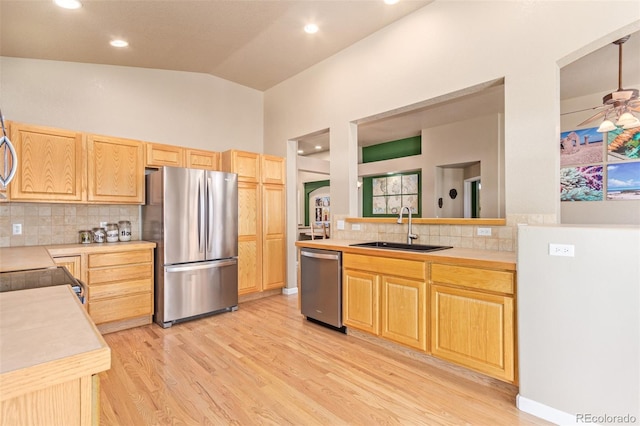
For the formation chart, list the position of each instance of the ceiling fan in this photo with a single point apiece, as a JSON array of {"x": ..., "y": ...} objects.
[{"x": 618, "y": 105}]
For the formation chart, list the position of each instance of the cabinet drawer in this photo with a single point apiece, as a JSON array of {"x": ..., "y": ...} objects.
[
  {"x": 119, "y": 308},
  {"x": 133, "y": 272},
  {"x": 99, "y": 260},
  {"x": 386, "y": 266},
  {"x": 483, "y": 279},
  {"x": 122, "y": 288}
]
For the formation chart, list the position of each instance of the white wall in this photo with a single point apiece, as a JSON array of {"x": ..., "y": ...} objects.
[
  {"x": 579, "y": 323},
  {"x": 178, "y": 108}
]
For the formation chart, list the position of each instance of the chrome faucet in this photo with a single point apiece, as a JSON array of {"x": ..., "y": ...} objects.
[{"x": 410, "y": 236}]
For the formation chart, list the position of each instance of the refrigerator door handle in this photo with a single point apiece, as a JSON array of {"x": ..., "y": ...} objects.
[
  {"x": 207, "y": 265},
  {"x": 210, "y": 213},
  {"x": 201, "y": 217}
]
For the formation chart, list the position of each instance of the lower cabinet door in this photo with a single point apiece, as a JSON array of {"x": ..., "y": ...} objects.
[
  {"x": 360, "y": 301},
  {"x": 473, "y": 329},
  {"x": 403, "y": 311},
  {"x": 118, "y": 308}
]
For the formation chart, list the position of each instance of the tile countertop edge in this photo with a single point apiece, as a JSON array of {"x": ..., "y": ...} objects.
[
  {"x": 75, "y": 249},
  {"x": 25, "y": 258},
  {"x": 461, "y": 256},
  {"x": 36, "y": 366}
]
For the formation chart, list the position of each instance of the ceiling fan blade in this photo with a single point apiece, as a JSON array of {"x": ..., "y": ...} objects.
[{"x": 593, "y": 118}]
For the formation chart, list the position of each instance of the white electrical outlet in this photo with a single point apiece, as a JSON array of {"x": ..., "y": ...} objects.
[
  {"x": 355, "y": 226},
  {"x": 17, "y": 229},
  {"x": 567, "y": 250},
  {"x": 486, "y": 232},
  {"x": 103, "y": 224},
  {"x": 340, "y": 224}
]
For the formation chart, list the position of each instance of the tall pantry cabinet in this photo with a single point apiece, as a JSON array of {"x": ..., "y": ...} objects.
[{"x": 261, "y": 219}]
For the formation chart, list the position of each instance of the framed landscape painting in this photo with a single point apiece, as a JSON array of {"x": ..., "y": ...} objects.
[
  {"x": 623, "y": 181},
  {"x": 582, "y": 146}
]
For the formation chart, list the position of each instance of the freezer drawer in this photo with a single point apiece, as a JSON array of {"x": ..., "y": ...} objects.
[
  {"x": 321, "y": 285},
  {"x": 191, "y": 290}
]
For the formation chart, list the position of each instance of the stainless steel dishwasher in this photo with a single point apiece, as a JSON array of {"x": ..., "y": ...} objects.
[{"x": 321, "y": 286}]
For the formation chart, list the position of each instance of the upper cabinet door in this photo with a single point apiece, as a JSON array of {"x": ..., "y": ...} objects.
[
  {"x": 245, "y": 164},
  {"x": 158, "y": 155},
  {"x": 197, "y": 159},
  {"x": 273, "y": 170},
  {"x": 50, "y": 164},
  {"x": 115, "y": 170}
]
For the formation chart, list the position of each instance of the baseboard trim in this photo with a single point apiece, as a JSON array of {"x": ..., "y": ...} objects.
[
  {"x": 288, "y": 291},
  {"x": 545, "y": 412}
]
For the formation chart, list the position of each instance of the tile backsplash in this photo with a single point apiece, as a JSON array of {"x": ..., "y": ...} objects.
[
  {"x": 52, "y": 223},
  {"x": 502, "y": 238}
]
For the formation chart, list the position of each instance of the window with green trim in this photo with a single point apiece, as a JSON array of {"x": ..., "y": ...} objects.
[{"x": 385, "y": 195}]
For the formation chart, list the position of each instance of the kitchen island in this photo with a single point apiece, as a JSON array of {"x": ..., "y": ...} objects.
[
  {"x": 50, "y": 355},
  {"x": 455, "y": 304}
]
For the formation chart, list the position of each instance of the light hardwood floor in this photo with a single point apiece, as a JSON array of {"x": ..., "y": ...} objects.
[{"x": 265, "y": 364}]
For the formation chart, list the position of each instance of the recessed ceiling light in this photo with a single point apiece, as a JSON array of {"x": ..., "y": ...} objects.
[
  {"x": 68, "y": 4},
  {"x": 118, "y": 43},
  {"x": 318, "y": 147},
  {"x": 311, "y": 28},
  {"x": 391, "y": 1}
]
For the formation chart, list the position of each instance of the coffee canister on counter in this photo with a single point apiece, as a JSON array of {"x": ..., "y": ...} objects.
[
  {"x": 125, "y": 230},
  {"x": 98, "y": 235},
  {"x": 86, "y": 236},
  {"x": 112, "y": 232}
]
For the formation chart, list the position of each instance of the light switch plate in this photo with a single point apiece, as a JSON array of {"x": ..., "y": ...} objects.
[
  {"x": 340, "y": 224},
  {"x": 355, "y": 226},
  {"x": 17, "y": 229},
  {"x": 486, "y": 232}
]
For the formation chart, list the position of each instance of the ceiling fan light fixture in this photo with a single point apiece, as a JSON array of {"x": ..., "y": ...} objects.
[
  {"x": 626, "y": 118},
  {"x": 632, "y": 124},
  {"x": 606, "y": 126}
]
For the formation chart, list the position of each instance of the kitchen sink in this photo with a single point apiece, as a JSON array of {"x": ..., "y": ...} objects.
[{"x": 400, "y": 246}]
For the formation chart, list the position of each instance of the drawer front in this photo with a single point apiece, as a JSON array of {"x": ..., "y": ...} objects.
[
  {"x": 386, "y": 265},
  {"x": 128, "y": 273},
  {"x": 482, "y": 279},
  {"x": 122, "y": 288},
  {"x": 120, "y": 308},
  {"x": 99, "y": 260}
]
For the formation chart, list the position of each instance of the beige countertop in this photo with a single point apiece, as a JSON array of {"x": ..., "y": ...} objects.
[
  {"x": 24, "y": 258},
  {"x": 463, "y": 256},
  {"x": 46, "y": 338}
]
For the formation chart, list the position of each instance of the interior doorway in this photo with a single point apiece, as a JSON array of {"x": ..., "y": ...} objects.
[{"x": 472, "y": 188}]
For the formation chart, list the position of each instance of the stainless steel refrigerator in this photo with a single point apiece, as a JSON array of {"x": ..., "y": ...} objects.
[{"x": 192, "y": 216}]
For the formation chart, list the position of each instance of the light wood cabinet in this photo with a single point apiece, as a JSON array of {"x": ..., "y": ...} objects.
[
  {"x": 403, "y": 310},
  {"x": 120, "y": 288},
  {"x": 273, "y": 169},
  {"x": 158, "y": 155},
  {"x": 115, "y": 170},
  {"x": 473, "y": 318},
  {"x": 386, "y": 296},
  {"x": 261, "y": 220},
  {"x": 72, "y": 263},
  {"x": 273, "y": 236},
  {"x": 197, "y": 159},
  {"x": 249, "y": 241},
  {"x": 50, "y": 164},
  {"x": 245, "y": 164},
  {"x": 360, "y": 295}
]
